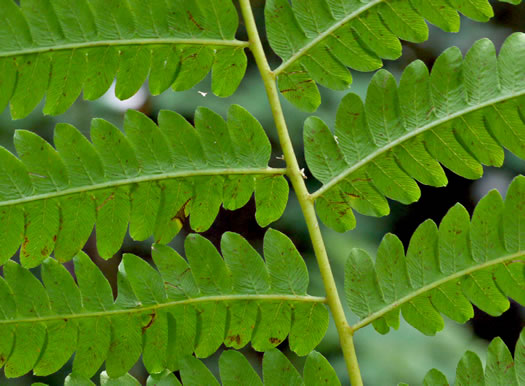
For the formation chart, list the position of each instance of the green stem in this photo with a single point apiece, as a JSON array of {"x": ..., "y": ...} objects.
[{"x": 296, "y": 177}]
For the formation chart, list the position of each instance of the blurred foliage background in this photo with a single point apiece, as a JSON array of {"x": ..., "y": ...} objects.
[{"x": 401, "y": 356}]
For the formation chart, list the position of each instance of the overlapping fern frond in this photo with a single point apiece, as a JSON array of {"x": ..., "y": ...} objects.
[
  {"x": 461, "y": 115},
  {"x": 185, "y": 307},
  {"x": 234, "y": 370},
  {"x": 318, "y": 39},
  {"x": 500, "y": 368},
  {"x": 58, "y": 48},
  {"x": 479, "y": 261},
  {"x": 152, "y": 178}
]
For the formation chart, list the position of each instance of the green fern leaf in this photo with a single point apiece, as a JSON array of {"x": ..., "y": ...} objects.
[
  {"x": 166, "y": 378},
  {"x": 318, "y": 40},
  {"x": 125, "y": 380},
  {"x": 194, "y": 372},
  {"x": 461, "y": 115},
  {"x": 277, "y": 370},
  {"x": 500, "y": 368},
  {"x": 152, "y": 177},
  {"x": 478, "y": 261},
  {"x": 155, "y": 314},
  {"x": 234, "y": 370},
  {"x": 57, "y": 48},
  {"x": 435, "y": 377},
  {"x": 75, "y": 380}
]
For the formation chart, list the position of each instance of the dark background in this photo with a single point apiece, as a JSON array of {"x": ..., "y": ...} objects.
[{"x": 401, "y": 356}]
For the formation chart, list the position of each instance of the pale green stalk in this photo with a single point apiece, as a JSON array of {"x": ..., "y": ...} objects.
[{"x": 296, "y": 177}]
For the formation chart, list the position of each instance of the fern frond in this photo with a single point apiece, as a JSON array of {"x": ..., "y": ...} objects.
[
  {"x": 234, "y": 370},
  {"x": 185, "y": 307},
  {"x": 318, "y": 39},
  {"x": 124, "y": 380},
  {"x": 277, "y": 370},
  {"x": 479, "y": 261},
  {"x": 500, "y": 368},
  {"x": 461, "y": 115},
  {"x": 152, "y": 178},
  {"x": 57, "y": 48}
]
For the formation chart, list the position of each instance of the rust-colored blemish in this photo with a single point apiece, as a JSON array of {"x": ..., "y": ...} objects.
[
  {"x": 234, "y": 338},
  {"x": 192, "y": 19},
  {"x": 109, "y": 198},
  {"x": 153, "y": 317}
]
